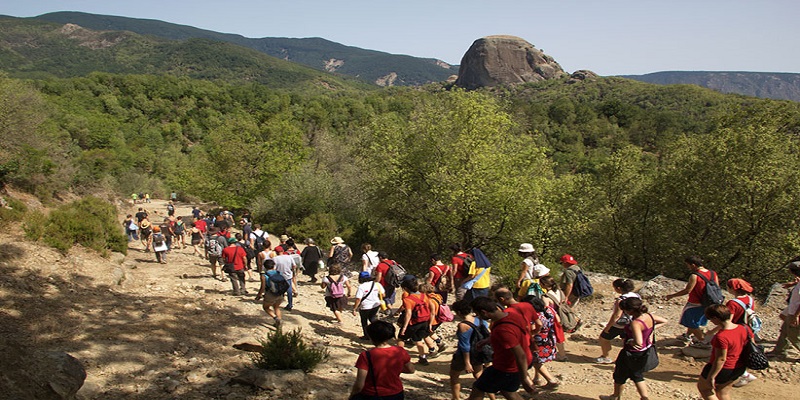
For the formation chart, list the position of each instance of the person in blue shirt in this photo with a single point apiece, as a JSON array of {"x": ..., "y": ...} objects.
[{"x": 461, "y": 359}]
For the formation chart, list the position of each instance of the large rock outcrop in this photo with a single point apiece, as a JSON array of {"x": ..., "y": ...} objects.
[{"x": 505, "y": 60}]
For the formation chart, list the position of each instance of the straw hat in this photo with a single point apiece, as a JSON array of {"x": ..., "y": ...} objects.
[{"x": 337, "y": 240}]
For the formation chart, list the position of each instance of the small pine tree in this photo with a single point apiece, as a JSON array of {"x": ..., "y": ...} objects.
[{"x": 283, "y": 351}]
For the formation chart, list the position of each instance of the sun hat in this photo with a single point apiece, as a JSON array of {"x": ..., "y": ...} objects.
[
  {"x": 526, "y": 248},
  {"x": 566, "y": 258},
  {"x": 284, "y": 238},
  {"x": 231, "y": 240},
  {"x": 539, "y": 270},
  {"x": 337, "y": 240}
]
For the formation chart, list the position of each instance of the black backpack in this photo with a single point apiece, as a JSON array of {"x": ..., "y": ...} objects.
[
  {"x": 582, "y": 287},
  {"x": 482, "y": 354},
  {"x": 712, "y": 293},
  {"x": 158, "y": 240},
  {"x": 277, "y": 284},
  {"x": 260, "y": 241}
]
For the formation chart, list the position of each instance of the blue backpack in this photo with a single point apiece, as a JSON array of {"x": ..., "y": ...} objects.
[{"x": 582, "y": 287}]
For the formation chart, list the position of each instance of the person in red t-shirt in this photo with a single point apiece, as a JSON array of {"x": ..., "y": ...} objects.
[
  {"x": 380, "y": 276},
  {"x": 510, "y": 337},
  {"x": 379, "y": 368},
  {"x": 726, "y": 364},
  {"x": 235, "y": 258},
  {"x": 692, "y": 316},
  {"x": 436, "y": 273},
  {"x": 201, "y": 225},
  {"x": 460, "y": 270}
]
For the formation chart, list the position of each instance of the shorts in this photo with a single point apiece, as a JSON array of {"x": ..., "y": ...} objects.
[
  {"x": 493, "y": 381},
  {"x": 693, "y": 316},
  {"x": 725, "y": 375},
  {"x": 457, "y": 362},
  {"x": 613, "y": 333},
  {"x": 336, "y": 303},
  {"x": 272, "y": 299},
  {"x": 196, "y": 242},
  {"x": 417, "y": 332}
]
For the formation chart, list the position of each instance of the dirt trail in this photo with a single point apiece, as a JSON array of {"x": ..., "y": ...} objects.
[{"x": 146, "y": 330}]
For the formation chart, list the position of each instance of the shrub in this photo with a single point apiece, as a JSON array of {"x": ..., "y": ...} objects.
[
  {"x": 34, "y": 225},
  {"x": 90, "y": 222},
  {"x": 15, "y": 213},
  {"x": 283, "y": 351}
]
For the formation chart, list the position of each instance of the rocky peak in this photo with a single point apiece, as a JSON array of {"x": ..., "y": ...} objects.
[{"x": 505, "y": 60}]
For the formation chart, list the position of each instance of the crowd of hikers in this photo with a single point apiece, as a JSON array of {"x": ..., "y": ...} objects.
[{"x": 505, "y": 336}]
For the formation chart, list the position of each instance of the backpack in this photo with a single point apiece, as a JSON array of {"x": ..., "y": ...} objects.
[
  {"x": 395, "y": 274},
  {"x": 750, "y": 318},
  {"x": 170, "y": 208},
  {"x": 213, "y": 247},
  {"x": 158, "y": 240},
  {"x": 337, "y": 288},
  {"x": 278, "y": 285},
  {"x": 421, "y": 311},
  {"x": 260, "y": 241},
  {"x": 582, "y": 287},
  {"x": 569, "y": 321},
  {"x": 482, "y": 354},
  {"x": 178, "y": 228},
  {"x": 444, "y": 284},
  {"x": 712, "y": 293},
  {"x": 535, "y": 289},
  {"x": 468, "y": 260},
  {"x": 444, "y": 314}
]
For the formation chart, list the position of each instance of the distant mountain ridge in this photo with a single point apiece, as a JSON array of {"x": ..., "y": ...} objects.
[
  {"x": 377, "y": 67},
  {"x": 771, "y": 85}
]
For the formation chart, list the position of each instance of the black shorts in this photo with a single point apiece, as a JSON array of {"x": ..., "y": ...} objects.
[
  {"x": 725, "y": 375},
  {"x": 493, "y": 381},
  {"x": 417, "y": 332},
  {"x": 612, "y": 333}
]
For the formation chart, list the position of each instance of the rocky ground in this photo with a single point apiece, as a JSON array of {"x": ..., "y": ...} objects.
[{"x": 146, "y": 330}]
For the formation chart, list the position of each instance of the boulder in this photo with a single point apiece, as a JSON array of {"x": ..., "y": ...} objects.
[
  {"x": 505, "y": 60},
  {"x": 35, "y": 374},
  {"x": 271, "y": 380}
]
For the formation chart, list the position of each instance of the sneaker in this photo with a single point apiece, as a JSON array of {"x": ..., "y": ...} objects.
[
  {"x": 700, "y": 345},
  {"x": 603, "y": 360},
  {"x": 423, "y": 361},
  {"x": 685, "y": 338},
  {"x": 442, "y": 347},
  {"x": 745, "y": 379}
]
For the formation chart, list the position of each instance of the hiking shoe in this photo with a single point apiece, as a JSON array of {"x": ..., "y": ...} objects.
[
  {"x": 288, "y": 308},
  {"x": 442, "y": 347},
  {"x": 606, "y": 397},
  {"x": 551, "y": 386},
  {"x": 685, "y": 338},
  {"x": 745, "y": 379},
  {"x": 423, "y": 361},
  {"x": 603, "y": 360}
]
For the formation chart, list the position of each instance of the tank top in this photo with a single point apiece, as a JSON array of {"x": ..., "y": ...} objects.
[
  {"x": 647, "y": 335},
  {"x": 696, "y": 295}
]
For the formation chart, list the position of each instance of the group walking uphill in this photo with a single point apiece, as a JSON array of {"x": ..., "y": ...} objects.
[{"x": 505, "y": 336}]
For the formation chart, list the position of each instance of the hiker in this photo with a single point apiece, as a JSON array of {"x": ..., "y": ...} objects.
[
  {"x": 369, "y": 260},
  {"x": 257, "y": 238},
  {"x": 415, "y": 324},
  {"x": 615, "y": 327},
  {"x": 272, "y": 301},
  {"x": 235, "y": 259},
  {"x": 337, "y": 291},
  {"x": 131, "y": 228},
  {"x": 202, "y": 225},
  {"x": 215, "y": 244},
  {"x": 435, "y": 303},
  {"x": 567, "y": 320},
  {"x": 568, "y": 277},
  {"x": 369, "y": 296},
  {"x": 479, "y": 276},
  {"x": 170, "y": 209},
  {"x": 196, "y": 213},
  {"x": 459, "y": 263},
  {"x": 440, "y": 276},
  {"x": 135, "y": 198},
  {"x": 340, "y": 253},
  {"x": 140, "y": 215},
  {"x": 312, "y": 257},
  {"x": 179, "y": 229},
  {"x": 636, "y": 356},
  {"x": 197, "y": 237},
  {"x": 527, "y": 275},
  {"x": 462, "y": 360},
  {"x": 790, "y": 328},
  {"x": 245, "y": 244},
  {"x": 693, "y": 315},
  {"x": 147, "y": 197},
  {"x": 159, "y": 243},
  {"x": 505, "y": 297},
  {"x": 543, "y": 346},
  {"x": 145, "y": 230},
  {"x": 381, "y": 271},
  {"x": 166, "y": 230},
  {"x": 738, "y": 306},
  {"x": 510, "y": 340},
  {"x": 286, "y": 265},
  {"x": 726, "y": 363},
  {"x": 266, "y": 254},
  {"x": 379, "y": 369}
]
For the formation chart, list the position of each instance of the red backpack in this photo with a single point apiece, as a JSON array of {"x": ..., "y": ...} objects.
[{"x": 421, "y": 311}]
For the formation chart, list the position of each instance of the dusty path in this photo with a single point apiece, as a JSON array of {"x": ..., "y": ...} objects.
[{"x": 152, "y": 331}]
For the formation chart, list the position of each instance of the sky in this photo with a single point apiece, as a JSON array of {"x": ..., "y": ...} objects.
[{"x": 608, "y": 37}]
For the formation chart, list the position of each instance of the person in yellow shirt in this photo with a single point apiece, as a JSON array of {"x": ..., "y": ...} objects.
[{"x": 479, "y": 278}]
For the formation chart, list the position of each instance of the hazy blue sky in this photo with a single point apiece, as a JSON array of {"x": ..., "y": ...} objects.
[{"x": 606, "y": 36}]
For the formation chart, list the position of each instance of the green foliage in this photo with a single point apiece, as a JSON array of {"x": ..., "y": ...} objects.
[
  {"x": 34, "y": 225},
  {"x": 16, "y": 212},
  {"x": 282, "y": 351},
  {"x": 90, "y": 222}
]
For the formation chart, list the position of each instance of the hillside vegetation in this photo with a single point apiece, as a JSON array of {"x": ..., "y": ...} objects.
[{"x": 628, "y": 177}]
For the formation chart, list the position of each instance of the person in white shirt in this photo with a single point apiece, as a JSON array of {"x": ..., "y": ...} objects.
[
  {"x": 287, "y": 267},
  {"x": 368, "y": 300},
  {"x": 790, "y": 329},
  {"x": 370, "y": 258}
]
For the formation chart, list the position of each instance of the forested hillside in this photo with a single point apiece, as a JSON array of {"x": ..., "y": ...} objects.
[{"x": 627, "y": 176}]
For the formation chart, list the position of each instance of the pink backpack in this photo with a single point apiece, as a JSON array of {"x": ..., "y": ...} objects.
[{"x": 336, "y": 288}]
